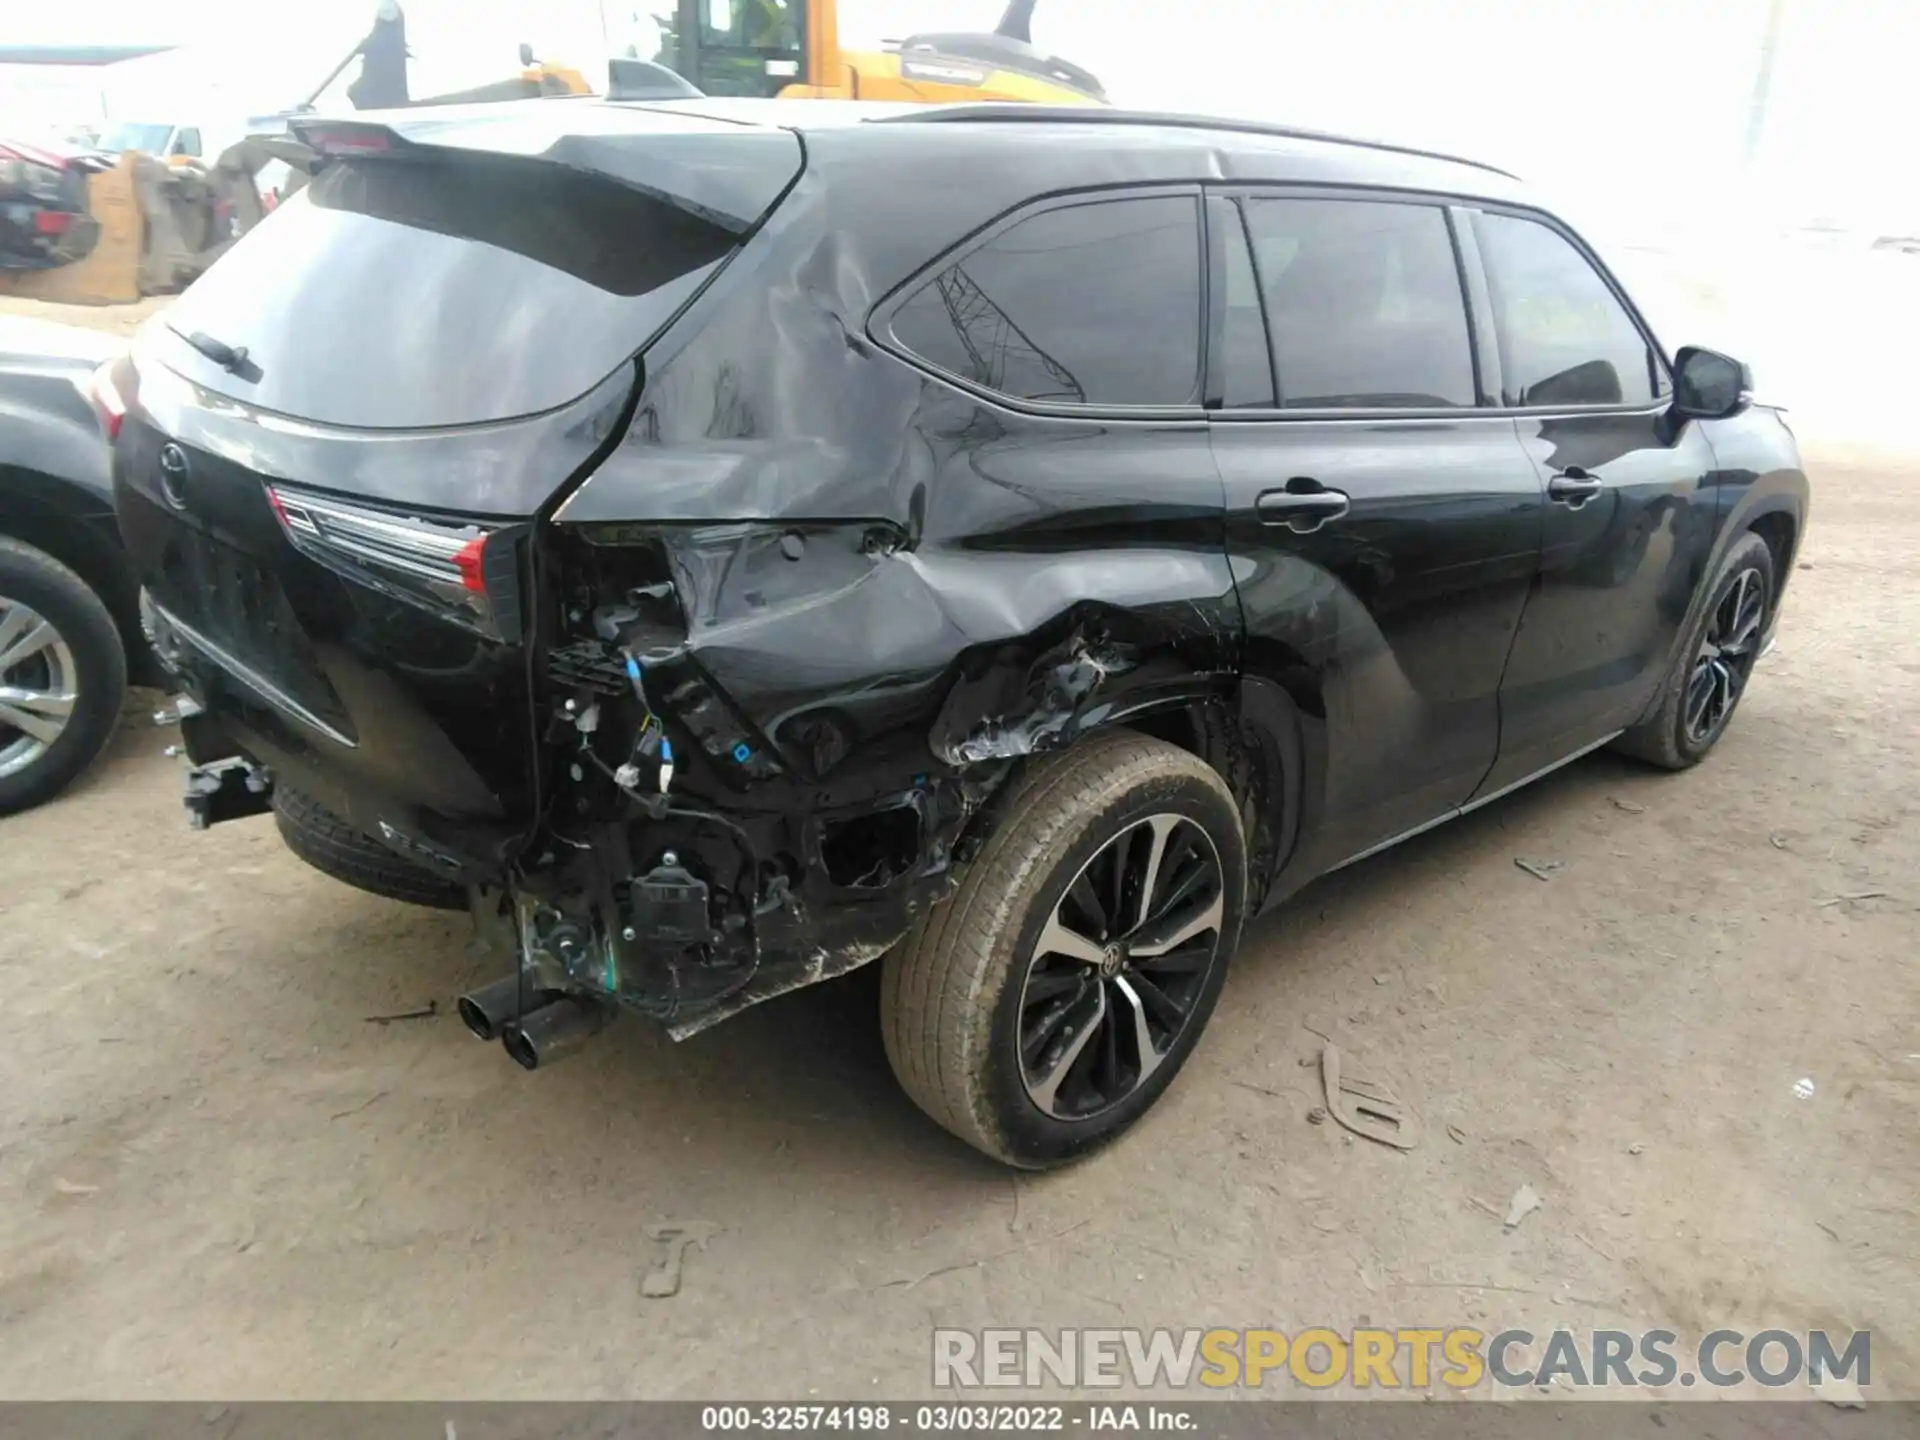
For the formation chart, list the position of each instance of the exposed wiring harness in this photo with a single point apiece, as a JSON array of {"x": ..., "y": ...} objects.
[{"x": 657, "y": 808}]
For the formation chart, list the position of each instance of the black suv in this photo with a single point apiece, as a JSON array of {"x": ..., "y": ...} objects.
[{"x": 733, "y": 542}]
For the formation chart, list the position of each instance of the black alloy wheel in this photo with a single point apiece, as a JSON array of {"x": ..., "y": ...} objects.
[
  {"x": 1040, "y": 1011},
  {"x": 1120, "y": 967},
  {"x": 1712, "y": 663},
  {"x": 1725, "y": 657}
]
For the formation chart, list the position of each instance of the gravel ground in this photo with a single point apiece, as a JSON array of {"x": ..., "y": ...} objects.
[{"x": 221, "y": 1176}]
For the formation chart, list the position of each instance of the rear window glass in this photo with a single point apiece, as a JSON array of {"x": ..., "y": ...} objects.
[
  {"x": 416, "y": 293},
  {"x": 1095, "y": 304}
]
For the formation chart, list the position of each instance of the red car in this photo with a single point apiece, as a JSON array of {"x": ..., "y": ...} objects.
[{"x": 43, "y": 206}]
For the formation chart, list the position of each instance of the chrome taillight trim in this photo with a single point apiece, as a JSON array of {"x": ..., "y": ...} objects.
[
  {"x": 378, "y": 535},
  {"x": 402, "y": 547}
]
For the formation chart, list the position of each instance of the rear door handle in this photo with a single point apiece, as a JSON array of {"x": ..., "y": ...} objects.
[
  {"x": 1302, "y": 511},
  {"x": 1574, "y": 486}
]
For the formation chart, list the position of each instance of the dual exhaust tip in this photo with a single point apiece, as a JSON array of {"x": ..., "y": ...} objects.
[{"x": 539, "y": 1029}]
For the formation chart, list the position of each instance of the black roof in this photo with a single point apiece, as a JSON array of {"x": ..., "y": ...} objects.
[
  {"x": 1240, "y": 149},
  {"x": 1166, "y": 120},
  {"x": 898, "y": 184},
  {"x": 993, "y": 154}
]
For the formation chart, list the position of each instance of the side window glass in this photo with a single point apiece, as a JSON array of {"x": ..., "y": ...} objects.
[
  {"x": 738, "y": 47},
  {"x": 1249, "y": 379},
  {"x": 1363, "y": 302},
  {"x": 1564, "y": 338},
  {"x": 187, "y": 143},
  {"x": 1095, "y": 304}
]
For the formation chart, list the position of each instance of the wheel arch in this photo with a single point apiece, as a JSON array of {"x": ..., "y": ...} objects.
[
  {"x": 1776, "y": 519},
  {"x": 1780, "y": 528},
  {"x": 1251, "y": 735},
  {"x": 75, "y": 528}
]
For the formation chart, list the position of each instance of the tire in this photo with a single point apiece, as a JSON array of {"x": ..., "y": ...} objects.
[
  {"x": 954, "y": 993},
  {"x": 1668, "y": 737},
  {"x": 335, "y": 848},
  {"x": 83, "y": 659}
]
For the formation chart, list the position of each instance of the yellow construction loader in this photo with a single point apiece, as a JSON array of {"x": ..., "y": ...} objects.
[
  {"x": 155, "y": 225},
  {"x": 790, "y": 49},
  {"x": 137, "y": 225}
]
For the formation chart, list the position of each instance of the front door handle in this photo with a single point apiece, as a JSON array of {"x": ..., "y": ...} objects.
[
  {"x": 1574, "y": 486},
  {"x": 1302, "y": 511}
]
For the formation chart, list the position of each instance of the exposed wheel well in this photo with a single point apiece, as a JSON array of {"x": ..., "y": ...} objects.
[
  {"x": 1257, "y": 754},
  {"x": 1778, "y": 530},
  {"x": 1182, "y": 727},
  {"x": 1252, "y": 756}
]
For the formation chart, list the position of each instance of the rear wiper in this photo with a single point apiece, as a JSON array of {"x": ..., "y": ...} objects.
[{"x": 231, "y": 358}]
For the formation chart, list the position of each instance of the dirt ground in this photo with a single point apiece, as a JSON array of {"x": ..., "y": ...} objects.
[
  {"x": 113, "y": 319},
  {"x": 222, "y": 1176}
]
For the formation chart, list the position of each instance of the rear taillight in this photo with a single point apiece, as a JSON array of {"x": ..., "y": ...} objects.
[
  {"x": 52, "y": 222},
  {"x": 348, "y": 138},
  {"x": 462, "y": 570},
  {"x": 107, "y": 388},
  {"x": 471, "y": 561}
]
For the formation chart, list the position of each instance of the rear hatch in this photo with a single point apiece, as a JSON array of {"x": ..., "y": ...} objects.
[{"x": 335, "y": 443}]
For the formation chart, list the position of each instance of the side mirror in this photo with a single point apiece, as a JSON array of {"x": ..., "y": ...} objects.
[
  {"x": 526, "y": 53},
  {"x": 1708, "y": 385}
]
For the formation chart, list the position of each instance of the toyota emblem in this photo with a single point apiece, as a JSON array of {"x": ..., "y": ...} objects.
[{"x": 173, "y": 475}]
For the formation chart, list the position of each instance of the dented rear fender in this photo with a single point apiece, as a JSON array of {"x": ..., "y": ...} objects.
[{"x": 848, "y": 600}]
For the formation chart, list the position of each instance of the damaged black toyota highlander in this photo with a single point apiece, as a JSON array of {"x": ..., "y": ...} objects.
[{"x": 725, "y": 544}]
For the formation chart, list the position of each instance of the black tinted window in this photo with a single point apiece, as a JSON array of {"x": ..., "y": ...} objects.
[
  {"x": 420, "y": 293},
  {"x": 1093, "y": 304},
  {"x": 1564, "y": 338},
  {"x": 1364, "y": 303}
]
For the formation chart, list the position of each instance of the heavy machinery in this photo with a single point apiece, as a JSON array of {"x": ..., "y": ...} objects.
[
  {"x": 143, "y": 225},
  {"x": 384, "y": 84},
  {"x": 776, "y": 48},
  {"x": 785, "y": 49},
  {"x": 790, "y": 49},
  {"x": 158, "y": 225}
]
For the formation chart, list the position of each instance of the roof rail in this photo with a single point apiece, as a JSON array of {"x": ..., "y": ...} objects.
[{"x": 1092, "y": 115}]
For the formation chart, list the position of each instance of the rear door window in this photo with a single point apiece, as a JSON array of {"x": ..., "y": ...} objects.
[
  {"x": 1085, "y": 304},
  {"x": 429, "y": 292},
  {"x": 1564, "y": 337},
  {"x": 1363, "y": 303}
]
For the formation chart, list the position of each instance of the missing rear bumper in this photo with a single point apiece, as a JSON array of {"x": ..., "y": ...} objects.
[{"x": 227, "y": 790}]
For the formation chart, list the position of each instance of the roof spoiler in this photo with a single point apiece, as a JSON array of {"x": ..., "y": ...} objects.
[{"x": 667, "y": 150}]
